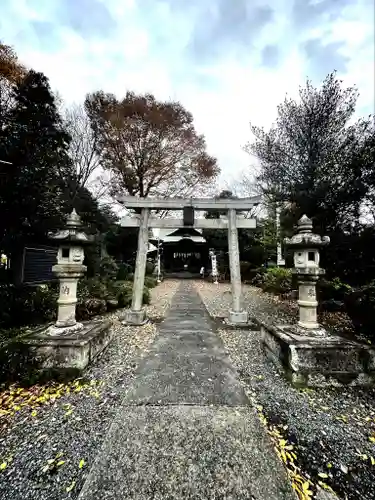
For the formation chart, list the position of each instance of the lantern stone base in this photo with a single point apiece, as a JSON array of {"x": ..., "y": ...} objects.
[
  {"x": 72, "y": 349},
  {"x": 237, "y": 318},
  {"x": 135, "y": 318},
  {"x": 316, "y": 359}
]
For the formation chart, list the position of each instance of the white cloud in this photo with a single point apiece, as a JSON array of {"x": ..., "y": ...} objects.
[{"x": 146, "y": 49}]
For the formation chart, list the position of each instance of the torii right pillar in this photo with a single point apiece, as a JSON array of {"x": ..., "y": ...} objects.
[{"x": 237, "y": 315}]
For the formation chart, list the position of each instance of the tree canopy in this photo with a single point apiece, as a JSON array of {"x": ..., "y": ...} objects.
[
  {"x": 35, "y": 144},
  {"x": 319, "y": 160},
  {"x": 315, "y": 157},
  {"x": 149, "y": 146}
]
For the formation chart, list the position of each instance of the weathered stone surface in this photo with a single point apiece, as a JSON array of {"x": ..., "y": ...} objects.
[
  {"x": 187, "y": 378},
  {"x": 70, "y": 351},
  {"x": 318, "y": 361},
  {"x": 325, "y": 495},
  {"x": 185, "y": 452},
  {"x": 238, "y": 318},
  {"x": 135, "y": 317}
]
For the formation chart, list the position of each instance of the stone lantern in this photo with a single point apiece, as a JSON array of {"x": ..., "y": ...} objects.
[
  {"x": 306, "y": 246},
  {"x": 68, "y": 345},
  {"x": 69, "y": 269}
]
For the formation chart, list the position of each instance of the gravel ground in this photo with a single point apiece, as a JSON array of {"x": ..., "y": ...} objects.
[
  {"x": 332, "y": 432},
  {"x": 50, "y": 434}
]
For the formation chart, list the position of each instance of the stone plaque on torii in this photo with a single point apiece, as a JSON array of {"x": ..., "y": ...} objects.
[{"x": 237, "y": 315}]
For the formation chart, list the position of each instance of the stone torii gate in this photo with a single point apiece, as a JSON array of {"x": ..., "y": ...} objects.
[{"x": 237, "y": 316}]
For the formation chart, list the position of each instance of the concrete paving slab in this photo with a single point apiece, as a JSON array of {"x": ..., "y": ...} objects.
[
  {"x": 187, "y": 378},
  {"x": 195, "y": 342},
  {"x": 185, "y": 453}
]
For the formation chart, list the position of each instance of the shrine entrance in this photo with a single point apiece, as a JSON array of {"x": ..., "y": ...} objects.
[
  {"x": 183, "y": 250},
  {"x": 184, "y": 254}
]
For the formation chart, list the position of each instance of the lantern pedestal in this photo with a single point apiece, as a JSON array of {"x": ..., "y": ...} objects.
[
  {"x": 314, "y": 358},
  {"x": 68, "y": 275},
  {"x": 69, "y": 349}
]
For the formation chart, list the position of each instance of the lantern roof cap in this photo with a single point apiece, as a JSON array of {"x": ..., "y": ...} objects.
[
  {"x": 304, "y": 237},
  {"x": 73, "y": 220},
  {"x": 71, "y": 233}
]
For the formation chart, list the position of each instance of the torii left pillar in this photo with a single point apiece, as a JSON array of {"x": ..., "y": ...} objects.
[{"x": 137, "y": 315}]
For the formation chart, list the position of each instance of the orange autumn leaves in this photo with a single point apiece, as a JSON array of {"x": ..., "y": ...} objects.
[{"x": 10, "y": 67}]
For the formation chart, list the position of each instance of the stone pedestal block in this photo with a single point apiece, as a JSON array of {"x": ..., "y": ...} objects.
[
  {"x": 238, "y": 318},
  {"x": 315, "y": 359},
  {"x": 71, "y": 348},
  {"x": 135, "y": 318}
]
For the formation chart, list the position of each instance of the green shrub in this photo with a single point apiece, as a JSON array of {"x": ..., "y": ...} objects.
[
  {"x": 332, "y": 294},
  {"x": 123, "y": 291},
  {"x": 108, "y": 268},
  {"x": 333, "y": 289},
  {"x": 93, "y": 288},
  {"x": 24, "y": 305},
  {"x": 245, "y": 268},
  {"x": 149, "y": 268},
  {"x": 124, "y": 294},
  {"x": 88, "y": 307},
  {"x": 259, "y": 276},
  {"x": 124, "y": 271},
  {"x": 360, "y": 306},
  {"x": 150, "y": 282},
  {"x": 146, "y": 296},
  {"x": 277, "y": 280}
]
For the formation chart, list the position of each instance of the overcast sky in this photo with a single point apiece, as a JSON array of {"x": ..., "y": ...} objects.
[{"x": 227, "y": 61}]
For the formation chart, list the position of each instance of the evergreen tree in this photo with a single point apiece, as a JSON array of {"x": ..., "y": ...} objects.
[
  {"x": 314, "y": 159},
  {"x": 32, "y": 201}
]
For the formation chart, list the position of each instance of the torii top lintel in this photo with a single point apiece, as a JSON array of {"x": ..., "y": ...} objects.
[{"x": 196, "y": 203}]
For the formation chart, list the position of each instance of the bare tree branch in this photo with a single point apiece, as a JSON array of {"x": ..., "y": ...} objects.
[{"x": 83, "y": 144}]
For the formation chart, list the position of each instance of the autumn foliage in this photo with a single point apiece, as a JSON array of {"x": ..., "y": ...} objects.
[
  {"x": 10, "y": 67},
  {"x": 150, "y": 147}
]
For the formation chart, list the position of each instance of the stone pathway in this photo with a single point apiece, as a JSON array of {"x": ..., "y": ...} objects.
[{"x": 185, "y": 429}]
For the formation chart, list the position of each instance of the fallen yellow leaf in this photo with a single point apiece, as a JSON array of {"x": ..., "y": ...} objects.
[{"x": 70, "y": 487}]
